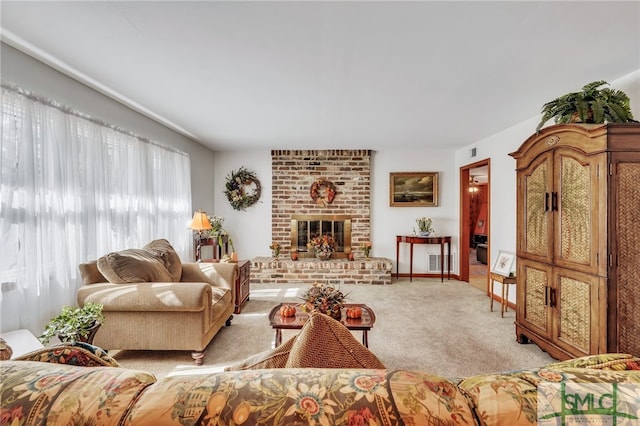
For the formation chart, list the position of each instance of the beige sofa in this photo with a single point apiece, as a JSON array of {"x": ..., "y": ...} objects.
[{"x": 171, "y": 314}]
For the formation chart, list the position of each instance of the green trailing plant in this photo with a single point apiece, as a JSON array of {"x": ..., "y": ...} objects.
[
  {"x": 74, "y": 323},
  {"x": 591, "y": 105}
]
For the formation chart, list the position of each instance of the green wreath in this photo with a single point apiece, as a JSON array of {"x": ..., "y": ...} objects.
[{"x": 235, "y": 189}]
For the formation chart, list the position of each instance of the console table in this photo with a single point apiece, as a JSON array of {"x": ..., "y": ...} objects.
[{"x": 415, "y": 239}]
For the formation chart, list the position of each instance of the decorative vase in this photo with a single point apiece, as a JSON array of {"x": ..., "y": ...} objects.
[{"x": 323, "y": 255}]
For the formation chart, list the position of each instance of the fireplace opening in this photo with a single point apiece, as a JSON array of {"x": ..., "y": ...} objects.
[{"x": 306, "y": 227}]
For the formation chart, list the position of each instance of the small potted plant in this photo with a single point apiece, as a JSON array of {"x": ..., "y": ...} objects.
[
  {"x": 75, "y": 324},
  {"x": 366, "y": 248},
  {"x": 591, "y": 105},
  {"x": 275, "y": 249},
  {"x": 424, "y": 226}
]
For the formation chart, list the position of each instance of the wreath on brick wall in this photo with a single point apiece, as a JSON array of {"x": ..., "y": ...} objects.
[
  {"x": 236, "y": 189},
  {"x": 323, "y": 192}
]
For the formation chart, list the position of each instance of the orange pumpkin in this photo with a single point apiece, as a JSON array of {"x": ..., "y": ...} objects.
[
  {"x": 288, "y": 311},
  {"x": 354, "y": 312}
]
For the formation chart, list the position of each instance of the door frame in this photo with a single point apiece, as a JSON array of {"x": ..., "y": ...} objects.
[{"x": 465, "y": 200}]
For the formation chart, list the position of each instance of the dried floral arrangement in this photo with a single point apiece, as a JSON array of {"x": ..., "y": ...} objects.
[{"x": 323, "y": 298}]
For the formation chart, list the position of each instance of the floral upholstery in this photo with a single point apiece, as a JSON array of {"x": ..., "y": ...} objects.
[
  {"x": 425, "y": 399},
  {"x": 51, "y": 393},
  {"x": 512, "y": 398},
  {"x": 34, "y": 393},
  {"x": 269, "y": 397}
]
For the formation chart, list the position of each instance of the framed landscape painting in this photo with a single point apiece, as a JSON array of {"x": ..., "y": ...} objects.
[{"x": 413, "y": 189}]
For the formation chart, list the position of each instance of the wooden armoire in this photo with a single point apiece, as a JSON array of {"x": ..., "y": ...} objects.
[{"x": 578, "y": 239}]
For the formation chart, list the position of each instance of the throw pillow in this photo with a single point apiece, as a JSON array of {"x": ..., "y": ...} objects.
[
  {"x": 272, "y": 358},
  {"x": 74, "y": 353},
  {"x": 90, "y": 273},
  {"x": 133, "y": 266},
  {"x": 325, "y": 343},
  {"x": 162, "y": 249},
  {"x": 5, "y": 350}
]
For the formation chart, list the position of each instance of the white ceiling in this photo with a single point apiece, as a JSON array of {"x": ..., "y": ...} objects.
[{"x": 302, "y": 74}]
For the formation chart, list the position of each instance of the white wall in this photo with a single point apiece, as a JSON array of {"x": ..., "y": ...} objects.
[
  {"x": 251, "y": 229},
  {"x": 503, "y": 176},
  {"x": 40, "y": 79}
]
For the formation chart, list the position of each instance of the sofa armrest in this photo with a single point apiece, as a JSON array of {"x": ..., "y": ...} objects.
[
  {"x": 217, "y": 274},
  {"x": 148, "y": 297}
]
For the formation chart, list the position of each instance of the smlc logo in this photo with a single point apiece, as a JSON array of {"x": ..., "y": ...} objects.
[{"x": 569, "y": 403}]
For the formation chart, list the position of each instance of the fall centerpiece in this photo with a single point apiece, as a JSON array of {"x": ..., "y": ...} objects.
[
  {"x": 322, "y": 246},
  {"x": 324, "y": 298}
]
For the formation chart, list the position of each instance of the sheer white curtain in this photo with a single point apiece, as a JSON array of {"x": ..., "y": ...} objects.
[{"x": 71, "y": 190}]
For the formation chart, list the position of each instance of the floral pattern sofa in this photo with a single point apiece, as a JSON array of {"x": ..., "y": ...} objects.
[{"x": 81, "y": 385}]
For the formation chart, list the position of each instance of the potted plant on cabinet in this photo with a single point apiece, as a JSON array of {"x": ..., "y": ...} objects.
[
  {"x": 591, "y": 105},
  {"x": 75, "y": 324}
]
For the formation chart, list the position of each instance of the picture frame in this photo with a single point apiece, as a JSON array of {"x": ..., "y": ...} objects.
[
  {"x": 413, "y": 189},
  {"x": 504, "y": 263}
]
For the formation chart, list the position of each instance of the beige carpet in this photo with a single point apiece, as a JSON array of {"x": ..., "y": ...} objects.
[{"x": 442, "y": 328}]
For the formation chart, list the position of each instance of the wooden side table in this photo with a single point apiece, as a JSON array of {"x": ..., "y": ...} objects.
[
  {"x": 411, "y": 240},
  {"x": 243, "y": 284},
  {"x": 505, "y": 282}
]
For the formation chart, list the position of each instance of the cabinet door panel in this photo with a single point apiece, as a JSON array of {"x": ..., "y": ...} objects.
[
  {"x": 624, "y": 295},
  {"x": 577, "y": 216},
  {"x": 534, "y": 219},
  {"x": 575, "y": 326},
  {"x": 533, "y": 280}
]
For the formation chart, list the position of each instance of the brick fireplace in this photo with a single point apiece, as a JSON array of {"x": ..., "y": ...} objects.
[
  {"x": 296, "y": 216},
  {"x": 295, "y": 171}
]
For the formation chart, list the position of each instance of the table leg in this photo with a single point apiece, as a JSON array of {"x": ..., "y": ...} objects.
[
  {"x": 411, "y": 262},
  {"x": 441, "y": 261},
  {"x": 365, "y": 338},
  {"x": 449, "y": 260},
  {"x": 397, "y": 259},
  {"x": 504, "y": 300},
  {"x": 278, "y": 337},
  {"x": 491, "y": 295}
]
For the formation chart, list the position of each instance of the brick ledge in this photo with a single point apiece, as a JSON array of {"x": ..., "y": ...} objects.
[{"x": 375, "y": 270}]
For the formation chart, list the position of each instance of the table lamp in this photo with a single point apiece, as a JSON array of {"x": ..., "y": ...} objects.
[{"x": 200, "y": 223}]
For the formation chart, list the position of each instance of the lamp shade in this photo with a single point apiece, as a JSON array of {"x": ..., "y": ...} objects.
[{"x": 200, "y": 222}]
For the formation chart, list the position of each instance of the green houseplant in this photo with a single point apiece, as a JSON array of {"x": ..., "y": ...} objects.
[
  {"x": 74, "y": 324},
  {"x": 591, "y": 105}
]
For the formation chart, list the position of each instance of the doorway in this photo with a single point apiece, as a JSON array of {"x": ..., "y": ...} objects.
[{"x": 475, "y": 224}]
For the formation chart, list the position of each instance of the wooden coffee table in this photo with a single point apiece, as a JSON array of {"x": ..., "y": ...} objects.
[{"x": 279, "y": 323}]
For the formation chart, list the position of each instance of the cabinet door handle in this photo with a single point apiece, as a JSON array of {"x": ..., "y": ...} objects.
[
  {"x": 546, "y": 296},
  {"x": 552, "y": 297},
  {"x": 554, "y": 201},
  {"x": 546, "y": 201}
]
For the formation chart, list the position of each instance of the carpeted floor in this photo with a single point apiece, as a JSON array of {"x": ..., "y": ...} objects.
[{"x": 443, "y": 328}]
